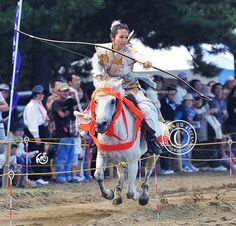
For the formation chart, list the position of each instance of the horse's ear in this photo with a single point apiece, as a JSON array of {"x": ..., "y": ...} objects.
[
  {"x": 96, "y": 83},
  {"x": 118, "y": 84}
]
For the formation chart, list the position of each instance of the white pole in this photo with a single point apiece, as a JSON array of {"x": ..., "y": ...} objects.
[
  {"x": 7, "y": 152},
  {"x": 14, "y": 66}
]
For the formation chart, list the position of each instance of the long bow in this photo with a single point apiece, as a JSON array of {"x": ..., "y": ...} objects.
[{"x": 104, "y": 47}]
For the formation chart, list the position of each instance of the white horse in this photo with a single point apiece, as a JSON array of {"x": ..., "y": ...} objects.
[{"x": 104, "y": 110}]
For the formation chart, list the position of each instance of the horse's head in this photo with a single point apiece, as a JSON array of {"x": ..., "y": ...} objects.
[{"x": 105, "y": 103}]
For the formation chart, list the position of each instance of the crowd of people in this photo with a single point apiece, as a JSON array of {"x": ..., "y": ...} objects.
[
  {"x": 55, "y": 144},
  {"x": 58, "y": 153},
  {"x": 214, "y": 121},
  {"x": 48, "y": 121}
]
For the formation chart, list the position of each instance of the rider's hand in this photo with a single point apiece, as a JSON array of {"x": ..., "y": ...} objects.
[
  {"x": 99, "y": 77},
  {"x": 147, "y": 64}
]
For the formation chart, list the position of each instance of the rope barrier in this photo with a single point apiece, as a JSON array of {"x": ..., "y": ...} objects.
[
  {"x": 32, "y": 140},
  {"x": 124, "y": 164},
  {"x": 120, "y": 164},
  {"x": 54, "y": 165}
]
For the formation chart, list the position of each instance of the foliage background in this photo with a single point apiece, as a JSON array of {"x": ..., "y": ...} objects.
[{"x": 158, "y": 23}]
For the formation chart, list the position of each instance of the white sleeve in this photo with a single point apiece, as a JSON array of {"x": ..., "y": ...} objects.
[
  {"x": 30, "y": 120},
  {"x": 98, "y": 69}
]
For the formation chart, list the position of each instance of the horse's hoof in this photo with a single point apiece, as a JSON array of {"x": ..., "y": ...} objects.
[
  {"x": 117, "y": 201},
  {"x": 130, "y": 195},
  {"x": 109, "y": 195},
  {"x": 143, "y": 200}
]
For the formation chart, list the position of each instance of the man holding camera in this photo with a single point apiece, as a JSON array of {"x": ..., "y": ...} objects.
[{"x": 62, "y": 110}]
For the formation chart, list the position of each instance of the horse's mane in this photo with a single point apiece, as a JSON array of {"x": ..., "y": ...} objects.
[{"x": 112, "y": 83}]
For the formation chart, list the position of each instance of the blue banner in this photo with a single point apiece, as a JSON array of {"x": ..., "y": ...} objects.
[{"x": 16, "y": 56}]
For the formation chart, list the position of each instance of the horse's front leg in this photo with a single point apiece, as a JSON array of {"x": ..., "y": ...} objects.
[
  {"x": 122, "y": 174},
  {"x": 101, "y": 163},
  {"x": 132, "y": 174}
]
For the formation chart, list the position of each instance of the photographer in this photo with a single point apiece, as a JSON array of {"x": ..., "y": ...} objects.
[{"x": 62, "y": 110}]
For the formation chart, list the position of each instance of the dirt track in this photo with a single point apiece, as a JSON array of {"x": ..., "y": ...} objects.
[{"x": 197, "y": 199}]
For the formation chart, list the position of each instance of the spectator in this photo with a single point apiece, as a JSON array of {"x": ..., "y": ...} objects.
[
  {"x": 3, "y": 108},
  {"x": 36, "y": 121},
  {"x": 216, "y": 118},
  {"x": 14, "y": 166},
  {"x": 18, "y": 134},
  {"x": 76, "y": 92},
  {"x": 214, "y": 131},
  {"x": 5, "y": 91},
  {"x": 62, "y": 110},
  {"x": 201, "y": 151},
  {"x": 218, "y": 104},
  {"x": 231, "y": 120},
  {"x": 228, "y": 86},
  {"x": 54, "y": 90},
  {"x": 54, "y": 87},
  {"x": 196, "y": 84},
  {"x": 186, "y": 112},
  {"x": 168, "y": 107},
  {"x": 181, "y": 87},
  {"x": 210, "y": 84}
]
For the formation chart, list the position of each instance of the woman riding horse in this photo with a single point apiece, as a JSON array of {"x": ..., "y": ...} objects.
[{"x": 108, "y": 64}]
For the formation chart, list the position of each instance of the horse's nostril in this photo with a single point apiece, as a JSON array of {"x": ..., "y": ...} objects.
[
  {"x": 103, "y": 124},
  {"x": 101, "y": 127}
]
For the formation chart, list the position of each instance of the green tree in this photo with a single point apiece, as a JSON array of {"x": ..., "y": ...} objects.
[
  {"x": 58, "y": 19},
  {"x": 162, "y": 24},
  {"x": 158, "y": 23}
]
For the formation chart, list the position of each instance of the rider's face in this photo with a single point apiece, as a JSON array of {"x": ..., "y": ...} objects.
[{"x": 120, "y": 40}]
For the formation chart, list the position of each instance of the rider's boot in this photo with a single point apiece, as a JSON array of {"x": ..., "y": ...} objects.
[{"x": 154, "y": 147}]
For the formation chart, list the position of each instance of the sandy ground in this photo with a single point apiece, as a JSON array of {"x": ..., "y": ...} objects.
[{"x": 196, "y": 199}]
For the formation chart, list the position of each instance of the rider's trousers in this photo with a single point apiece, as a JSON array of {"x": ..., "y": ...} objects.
[{"x": 150, "y": 110}]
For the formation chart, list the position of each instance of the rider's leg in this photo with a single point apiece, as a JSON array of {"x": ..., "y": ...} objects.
[{"x": 151, "y": 117}]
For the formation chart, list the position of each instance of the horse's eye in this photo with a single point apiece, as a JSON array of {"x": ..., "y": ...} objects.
[{"x": 113, "y": 101}]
